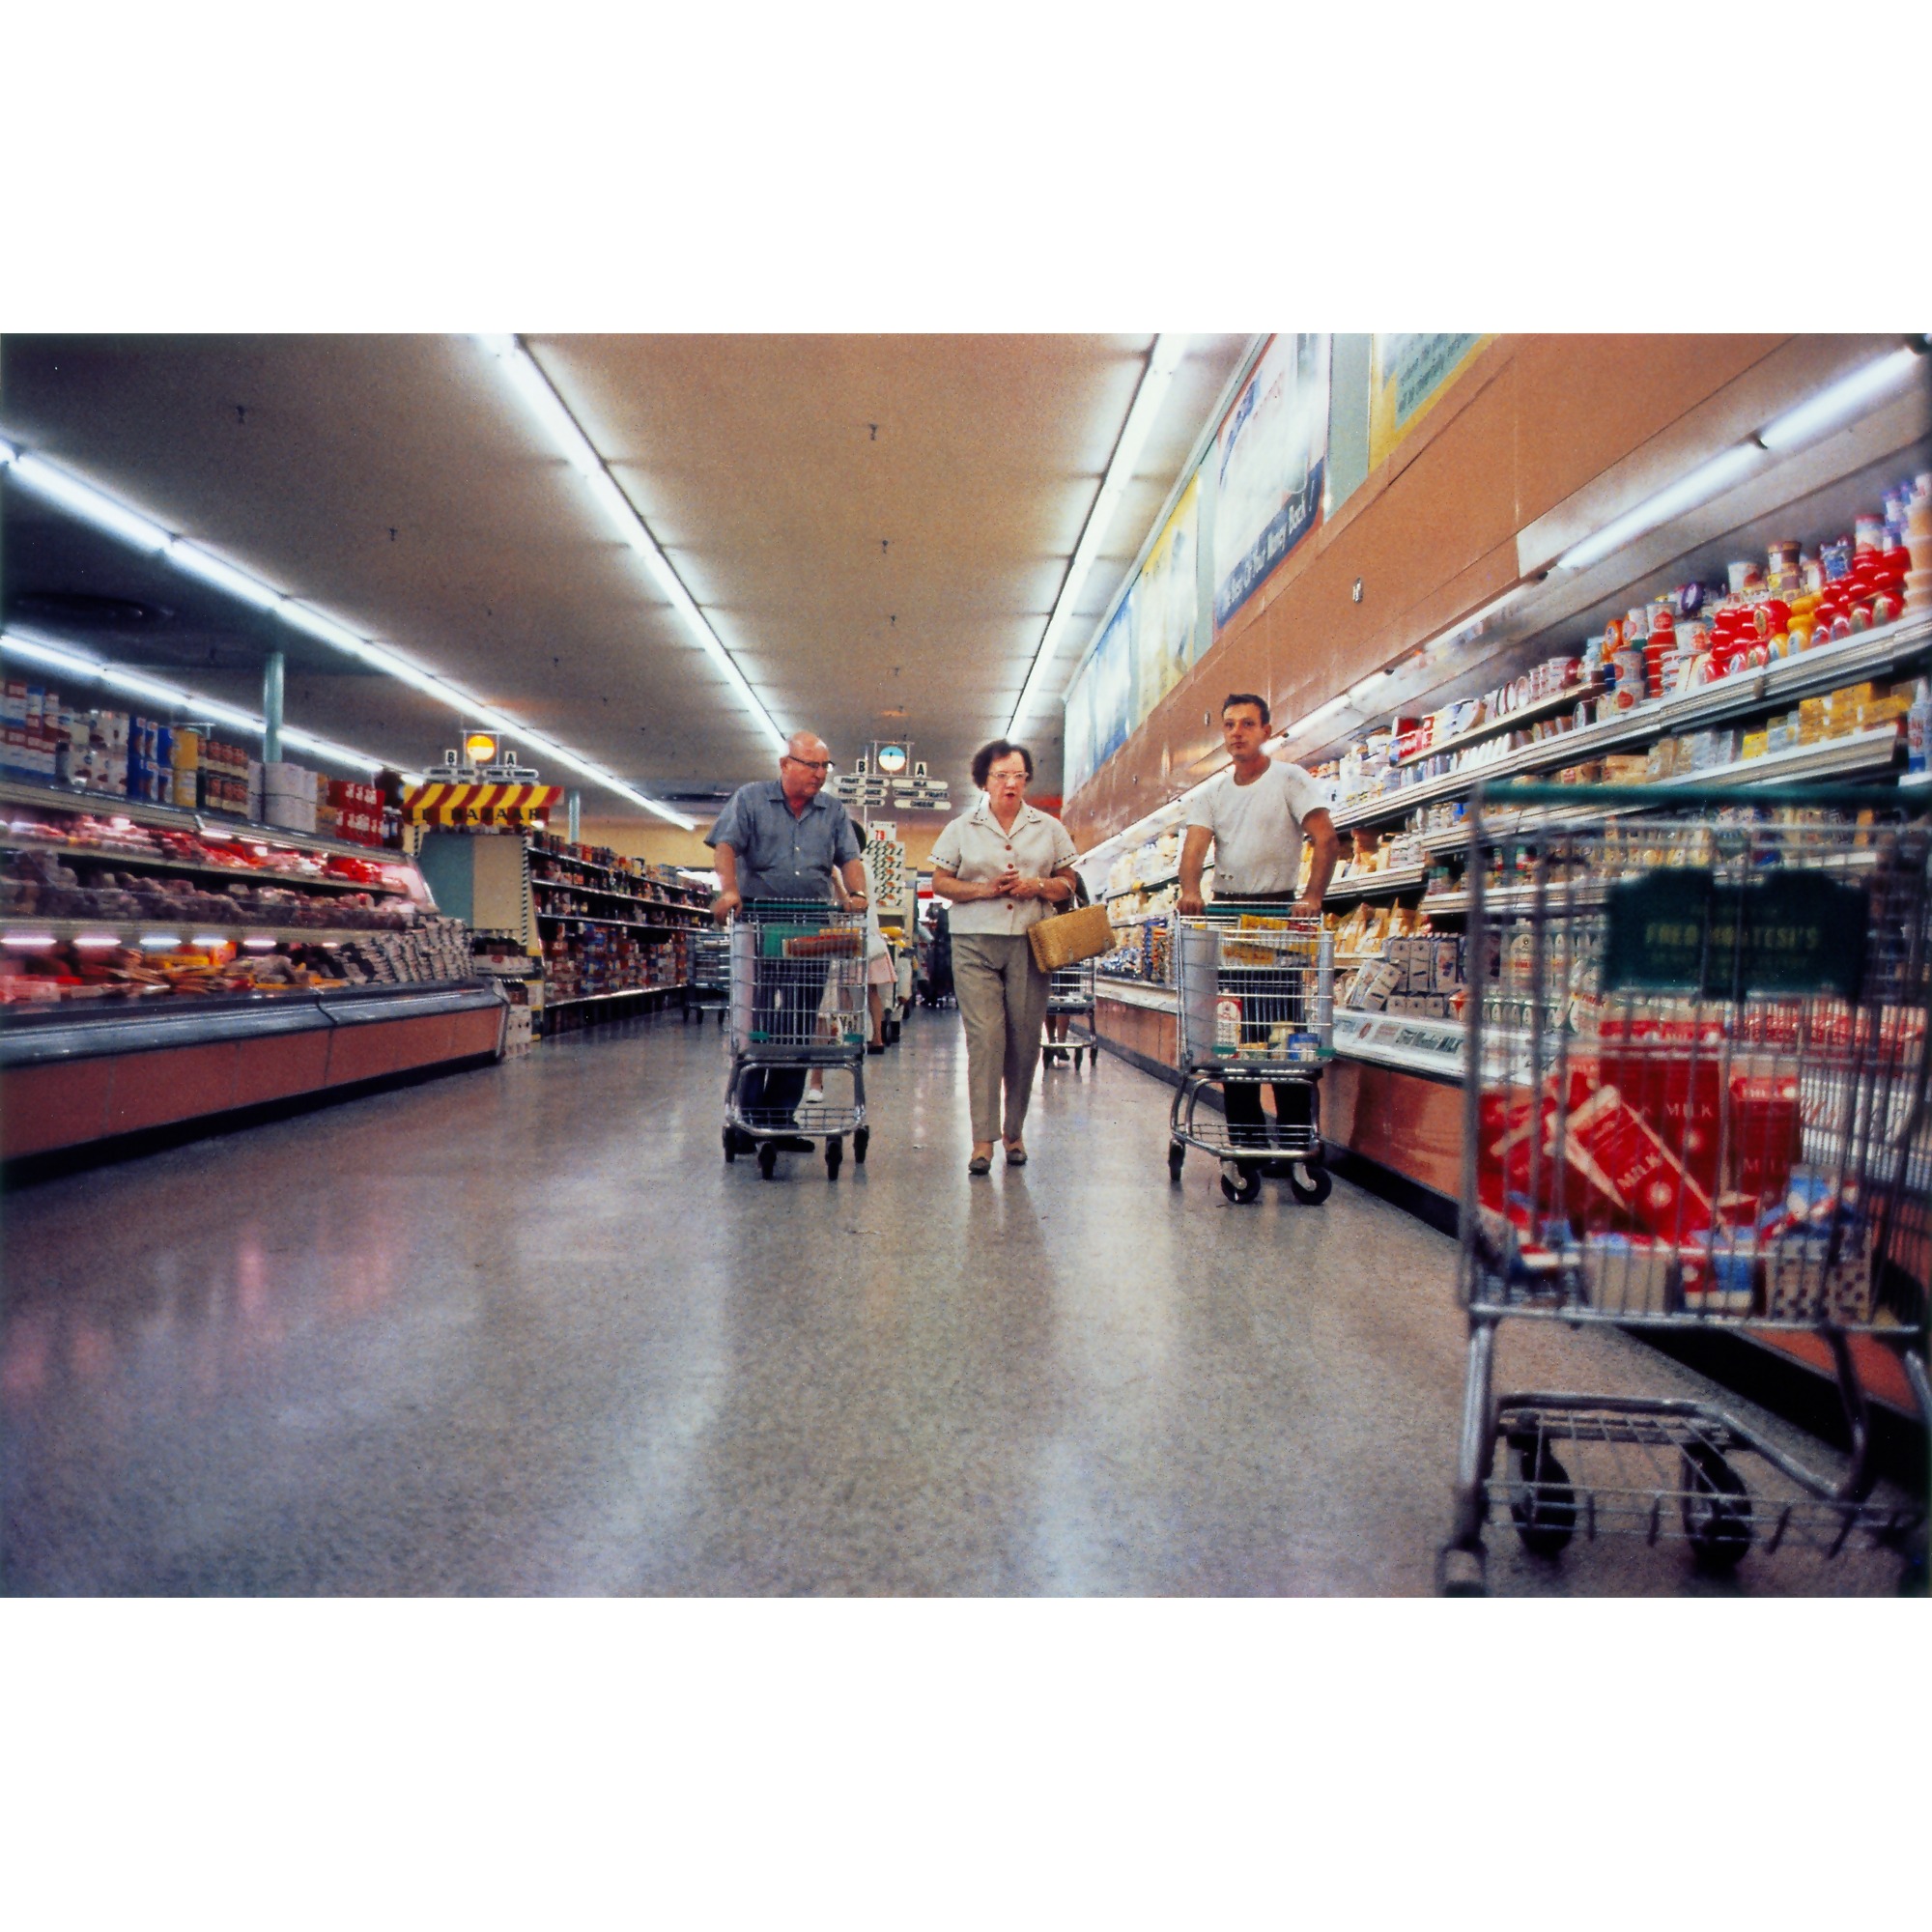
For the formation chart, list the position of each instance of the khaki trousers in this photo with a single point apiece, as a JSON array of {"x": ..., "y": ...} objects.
[{"x": 1002, "y": 997}]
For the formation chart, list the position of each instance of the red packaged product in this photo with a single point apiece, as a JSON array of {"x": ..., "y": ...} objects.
[
  {"x": 1624, "y": 1163},
  {"x": 1763, "y": 1133}
]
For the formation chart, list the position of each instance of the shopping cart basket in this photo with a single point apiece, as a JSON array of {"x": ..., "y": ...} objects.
[
  {"x": 1696, "y": 1100},
  {"x": 798, "y": 1007},
  {"x": 710, "y": 988},
  {"x": 1257, "y": 1005},
  {"x": 1069, "y": 990}
]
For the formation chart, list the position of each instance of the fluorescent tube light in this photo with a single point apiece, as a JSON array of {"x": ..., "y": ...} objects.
[
  {"x": 30, "y": 942},
  {"x": 88, "y": 503},
  {"x": 150, "y": 538},
  {"x": 1843, "y": 398},
  {"x": 134, "y": 684},
  {"x": 1709, "y": 479},
  {"x": 566, "y": 434},
  {"x": 1155, "y": 381},
  {"x": 1369, "y": 687},
  {"x": 95, "y": 942},
  {"x": 195, "y": 561}
]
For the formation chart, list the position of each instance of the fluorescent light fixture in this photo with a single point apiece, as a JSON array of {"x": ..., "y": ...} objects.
[
  {"x": 149, "y": 537},
  {"x": 194, "y": 561},
  {"x": 6, "y": 452},
  {"x": 259, "y": 943},
  {"x": 209, "y": 939},
  {"x": 88, "y": 504},
  {"x": 75, "y": 664},
  {"x": 29, "y": 941},
  {"x": 1369, "y": 688},
  {"x": 1321, "y": 712},
  {"x": 566, "y": 434},
  {"x": 1709, "y": 479},
  {"x": 95, "y": 942},
  {"x": 160, "y": 942},
  {"x": 1843, "y": 398},
  {"x": 1155, "y": 381}
]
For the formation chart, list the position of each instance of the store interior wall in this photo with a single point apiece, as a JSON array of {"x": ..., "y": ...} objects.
[{"x": 1534, "y": 427}]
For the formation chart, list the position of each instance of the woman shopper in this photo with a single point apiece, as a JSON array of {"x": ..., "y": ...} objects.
[{"x": 1003, "y": 866}]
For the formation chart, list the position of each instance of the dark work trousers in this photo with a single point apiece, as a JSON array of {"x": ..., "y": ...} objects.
[{"x": 1242, "y": 1098}]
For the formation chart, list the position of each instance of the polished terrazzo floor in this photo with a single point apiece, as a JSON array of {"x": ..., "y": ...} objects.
[{"x": 523, "y": 1331}]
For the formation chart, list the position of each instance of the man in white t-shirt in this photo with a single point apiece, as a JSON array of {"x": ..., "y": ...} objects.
[{"x": 1256, "y": 817}]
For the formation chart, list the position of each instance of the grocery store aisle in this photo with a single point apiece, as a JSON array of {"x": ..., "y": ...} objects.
[{"x": 523, "y": 1331}]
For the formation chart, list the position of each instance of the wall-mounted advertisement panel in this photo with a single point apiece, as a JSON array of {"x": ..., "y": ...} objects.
[
  {"x": 1268, "y": 460},
  {"x": 1407, "y": 374},
  {"x": 1167, "y": 606},
  {"x": 1076, "y": 742},
  {"x": 1112, "y": 675}
]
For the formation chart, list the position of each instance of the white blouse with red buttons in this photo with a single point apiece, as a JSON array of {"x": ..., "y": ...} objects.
[{"x": 974, "y": 849}]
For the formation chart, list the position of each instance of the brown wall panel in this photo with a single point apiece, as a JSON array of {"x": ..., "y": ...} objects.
[
  {"x": 54, "y": 1106},
  {"x": 1407, "y": 1123},
  {"x": 1587, "y": 401},
  {"x": 386, "y": 1046},
  {"x": 479, "y": 1032},
  {"x": 279, "y": 1066},
  {"x": 151, "y": 1090}
]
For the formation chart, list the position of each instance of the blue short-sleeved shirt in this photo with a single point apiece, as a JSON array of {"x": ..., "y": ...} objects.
[{"x": 780, "y": 856}]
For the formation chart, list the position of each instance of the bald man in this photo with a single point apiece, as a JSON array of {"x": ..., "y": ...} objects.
[{"x": 781, "y": 841}]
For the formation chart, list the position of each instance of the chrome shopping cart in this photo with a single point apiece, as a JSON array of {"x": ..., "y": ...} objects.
[
  {"x": 1070, "y": 996},
  {"x": 1256, "y": 1007},
  {"x": 710, "y": 988},
  {"x": 1697, "y": 1100},
  {"x": 798, "y": 1016}
]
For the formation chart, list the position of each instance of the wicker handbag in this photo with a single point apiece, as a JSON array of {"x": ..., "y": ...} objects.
[{"x": 1068, "y": 938}]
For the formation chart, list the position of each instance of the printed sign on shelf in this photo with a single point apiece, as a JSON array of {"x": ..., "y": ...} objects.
[
  {"x": 1406, "y": 375},
  {"x": 1269, "y": 461}
]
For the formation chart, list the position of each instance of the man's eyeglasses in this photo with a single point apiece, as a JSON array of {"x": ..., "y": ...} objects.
[{"x": 809, "y": 764}]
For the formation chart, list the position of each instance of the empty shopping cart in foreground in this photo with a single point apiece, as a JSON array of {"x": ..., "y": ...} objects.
[
  {"x": 1697, "y": 1100},
  {"x": 1256, "y": 1007},
  {"x": 798, "y": 1008}
]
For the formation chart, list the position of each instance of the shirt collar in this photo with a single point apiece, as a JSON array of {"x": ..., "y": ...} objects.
[
  {"x": 774, "y": 791},
  {"x": 982, "y": 813}
]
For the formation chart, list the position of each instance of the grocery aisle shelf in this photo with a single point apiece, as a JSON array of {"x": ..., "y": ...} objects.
[
  {"x": 133, "y": 932},
  {"x": 206, "y": 824}
]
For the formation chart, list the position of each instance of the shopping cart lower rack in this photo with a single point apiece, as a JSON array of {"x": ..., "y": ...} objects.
[
  {"x": 1697, "y": 1098},
  {"x": 1256, "y": 1007},
  {"x": 1069, "y": 993},
  {"x": 798, "y": 1010},
  {"x": 710, "y": 969}
]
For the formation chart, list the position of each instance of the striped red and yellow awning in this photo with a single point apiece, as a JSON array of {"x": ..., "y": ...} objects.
[{"x": 460, "y": 807}]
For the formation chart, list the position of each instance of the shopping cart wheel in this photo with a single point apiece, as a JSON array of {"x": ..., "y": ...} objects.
[
  {"x": 1543, "y": 1505},
  {"x": 730, "y": 1144},
  {"x": 1177, "y": 1154},
  {"x": 861, "y": 1139},
  {"x": 1240, "y": 1184},
  {"x": 835, "y": 1155},
  {"x": 1316, "y": 1189},
  {"x": 1459, "y": 1572},
  {"x": 1716, "y": 1507},
  {"x": 768, "y": 1159}
]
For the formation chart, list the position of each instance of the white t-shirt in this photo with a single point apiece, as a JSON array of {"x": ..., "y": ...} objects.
[{"x": 1256, "y": 828}]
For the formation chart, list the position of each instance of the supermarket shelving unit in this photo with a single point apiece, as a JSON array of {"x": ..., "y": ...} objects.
[{"x": 100, "y": 1061}]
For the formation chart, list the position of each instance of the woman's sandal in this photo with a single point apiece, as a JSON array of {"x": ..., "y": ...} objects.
[
  {"x": 981, "y": 1163},
  {"x": 1015, "y": 1155}
]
